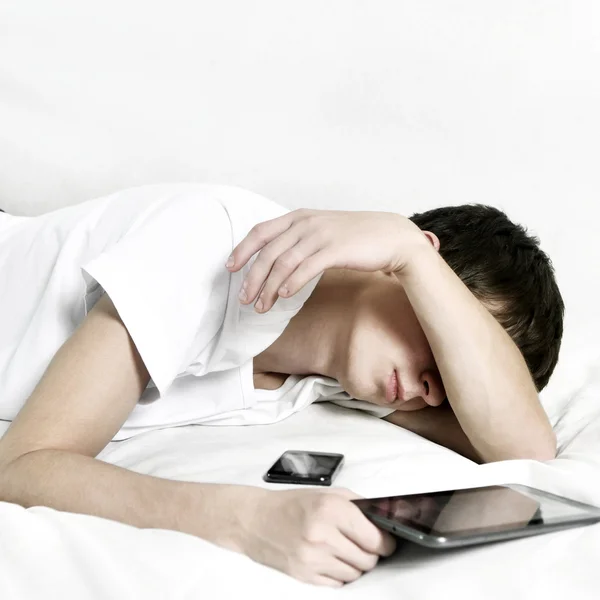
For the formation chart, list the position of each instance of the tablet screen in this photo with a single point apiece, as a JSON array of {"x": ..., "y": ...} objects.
[{"x": 476, "y": 510}]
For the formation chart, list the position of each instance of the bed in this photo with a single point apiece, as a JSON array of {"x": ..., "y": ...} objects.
[{"x": 380, "y": 105}]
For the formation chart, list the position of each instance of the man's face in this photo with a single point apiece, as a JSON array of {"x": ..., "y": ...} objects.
[{"x": 389, "y": 360}]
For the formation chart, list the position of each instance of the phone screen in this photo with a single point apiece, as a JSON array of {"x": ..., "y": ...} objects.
[{"x": 297, "y": 466}]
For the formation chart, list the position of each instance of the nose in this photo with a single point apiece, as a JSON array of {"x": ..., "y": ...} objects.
[
  {"x": 428, "y": 386},
  {"x": 433, "y": 388}
]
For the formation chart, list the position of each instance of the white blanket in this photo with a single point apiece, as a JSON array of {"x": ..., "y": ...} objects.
[{"x": 50, "y": 554}]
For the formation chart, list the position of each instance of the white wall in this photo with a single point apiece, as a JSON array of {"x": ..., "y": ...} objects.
[{"x": 322, "y": 103}]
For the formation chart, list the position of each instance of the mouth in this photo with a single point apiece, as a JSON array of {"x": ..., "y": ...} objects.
[{"x": 391, "y": 392}]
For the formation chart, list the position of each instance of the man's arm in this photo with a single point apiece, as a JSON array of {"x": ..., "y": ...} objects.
[
  {"x": 87, "y": 392},
  {"x": 437, "y": 424},
  {"x": 485, "y": 376},
  {"x": 89, "y": 389}
]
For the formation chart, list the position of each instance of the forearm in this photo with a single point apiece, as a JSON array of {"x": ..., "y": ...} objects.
[
  {"x": 486, "y": 379},
  {"x": 438, "y": 425},
  {"x": 81, "y": 484}
]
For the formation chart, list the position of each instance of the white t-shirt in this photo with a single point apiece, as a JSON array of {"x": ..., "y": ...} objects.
[{"x": 159, "y": 252}]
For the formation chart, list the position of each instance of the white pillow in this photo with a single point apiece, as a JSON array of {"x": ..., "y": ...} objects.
[{"x": 577, "y": 425}]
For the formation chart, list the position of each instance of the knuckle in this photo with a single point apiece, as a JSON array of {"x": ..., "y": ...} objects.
[
  {"x": 265, "y": 257},
  {"x": 289, "y": 260},
  {"x": 311, "y": 219},
  {"x": 314, "y": 533},
  {"x": 326, "y": 504},
  {"x": 258, "y": 231},
  {"x": 371, "y": 562},
  {"x": 330, "y": 510},
  {"x": 353, "y": 575},
  {"x": 306, "y": 212}
]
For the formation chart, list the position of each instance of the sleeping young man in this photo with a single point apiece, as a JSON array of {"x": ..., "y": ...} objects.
[{"x": 132, "y": 312}]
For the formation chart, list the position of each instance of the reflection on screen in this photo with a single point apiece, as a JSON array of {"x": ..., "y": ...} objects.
[
  {"x": 305, "y": 464},
  {"x": 494, "y": 508}
]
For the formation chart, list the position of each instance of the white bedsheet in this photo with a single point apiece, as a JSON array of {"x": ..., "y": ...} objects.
[{"x": 50, "y": 554}]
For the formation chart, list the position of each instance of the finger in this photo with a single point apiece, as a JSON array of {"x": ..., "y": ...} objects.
[
  {"x": 307, "y": 270},
  {"x": 338, "y": 570},
  {"x": 263, "y": 263},
  {"x": 258, "y": 237},
  {"x": 366, "y": 535},
  {"x": 351, "y": 554},
  {"x": 281, "y": 270},
  {"x": 326, "y": 581}
]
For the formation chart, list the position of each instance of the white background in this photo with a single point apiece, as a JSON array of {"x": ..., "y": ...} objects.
[{"x": 322, "y": 103}]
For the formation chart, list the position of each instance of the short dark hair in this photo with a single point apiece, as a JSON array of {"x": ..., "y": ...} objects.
[{"x": 504, "y": 267}]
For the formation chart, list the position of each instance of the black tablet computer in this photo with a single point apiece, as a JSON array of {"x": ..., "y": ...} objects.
[{"x": 472, "y": 516}]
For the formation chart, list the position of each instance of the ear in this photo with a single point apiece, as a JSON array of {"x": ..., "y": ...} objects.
[{"x": 435, "y": 241}]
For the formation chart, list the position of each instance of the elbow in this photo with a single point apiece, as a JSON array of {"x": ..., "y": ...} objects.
[
  {"x": 546, "y": 450},
  {"x": 542, "y": 450},
  {"x": 541, "y": 454},
  {"x": 8, "y": 462}
]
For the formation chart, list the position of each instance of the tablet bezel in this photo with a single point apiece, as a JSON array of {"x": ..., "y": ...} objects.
[{"x": 470, "y": 537}]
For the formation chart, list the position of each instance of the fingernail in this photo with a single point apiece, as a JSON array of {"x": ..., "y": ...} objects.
[
  {"x": 245, "y": 284},
  {"x": 283, "y": 291},
  {"x": 230, "y": 262},
  {"x": 259, "y": 304},
  {"x": 242, "y": 296}
]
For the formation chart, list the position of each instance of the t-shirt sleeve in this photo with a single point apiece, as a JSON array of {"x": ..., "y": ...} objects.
[
  {"x": 368, "y": 407},
  {"x": 167, "y": 279},
  {"x": 327, "y": 389}
]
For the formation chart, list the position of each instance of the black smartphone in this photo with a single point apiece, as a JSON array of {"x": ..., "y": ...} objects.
[{"x": 307, "y": 468}]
